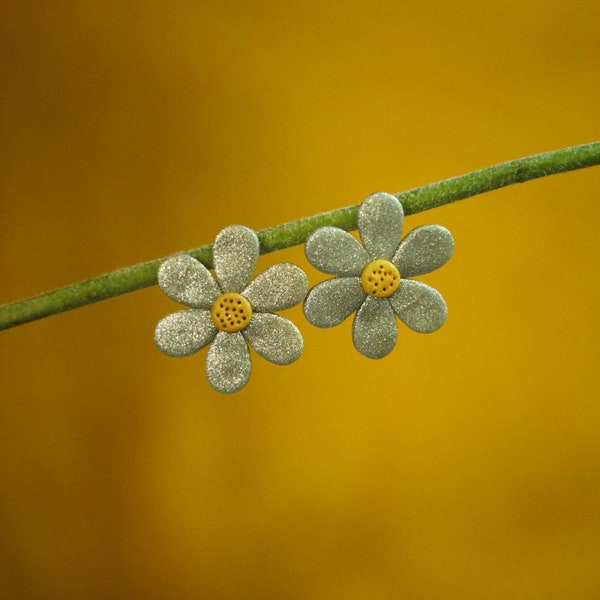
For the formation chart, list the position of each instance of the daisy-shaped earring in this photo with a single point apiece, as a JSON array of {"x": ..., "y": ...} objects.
[
  {"x": 228, "y": 312},
  {"x": 373, "y": 278}
]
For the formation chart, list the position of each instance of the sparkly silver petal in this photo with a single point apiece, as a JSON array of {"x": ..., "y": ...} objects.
[
  {"x": 228, "y": 365},
  {"x": 375, "y": 330},
  {"x": 423, "y": 250},
  {"x": 235, "y": 253},
  {"x": 186, "y": 280},
  {"x": 419, "y": 306},
  {"x": 333, "y": 301},
  {"x": 279, "y": 287},
  {"x": 333, "y": 250},
  {"x": 274, "y": 338},
  {"x": 380, "y": 222},
  {"x": 184, "y": 332}
]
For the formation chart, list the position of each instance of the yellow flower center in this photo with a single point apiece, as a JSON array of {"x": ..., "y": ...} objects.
[
  {"x": 231, "y": 312},
  {"x": 380, "y": 278}
]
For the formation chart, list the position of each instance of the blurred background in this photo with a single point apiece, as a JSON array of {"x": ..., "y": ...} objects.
[{"x": 464, "y": 465}]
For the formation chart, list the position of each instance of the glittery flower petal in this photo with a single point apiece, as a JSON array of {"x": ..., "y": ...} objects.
[
  {"x": 274, "y": 338},
  {"x": 228, "y": 365},
  {"x": 380, "y": 222},
  {"x": 333, "y": 250},
  {"x": 184, "y": 332},
  {"x": 423, "y": 250},
  {"x": 235, "y": 254},
  {"x": 186, "y": 280},
  {"x": 375, "y": 330},
  {"x": 334, "y": 300},
  {"x": 419, "y": 306},
  {"x": 279, "y": 287}
]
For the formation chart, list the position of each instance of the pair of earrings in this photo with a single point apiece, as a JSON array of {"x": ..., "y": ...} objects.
[{"x": 231, "y": 312}]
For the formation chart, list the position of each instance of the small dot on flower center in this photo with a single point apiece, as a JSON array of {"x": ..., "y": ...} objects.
[
  {"x": 380, "y": 278},
  {"x": 231, "y": 312}
]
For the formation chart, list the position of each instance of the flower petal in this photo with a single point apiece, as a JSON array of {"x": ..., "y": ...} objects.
[
  {"x": 184, "y": 332},
  {"x": 419, "y": 306},
  {"x": 375, "y": 330},
  {"x": 334, "y": 300},
  {"x": 333, "y": 250},
  {"x": 380, "y": 222},
  {"x": 279, "y": 287},
  {"x": 423, "y": 250},
  {"x": 274, "y": 338},
  {"x": 186, "y": 280},
  {"x": 235, "y": 254},
  {"x": 228, "y": 365}
]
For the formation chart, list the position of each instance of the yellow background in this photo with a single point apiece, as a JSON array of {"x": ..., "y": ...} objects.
[{"x": 464, "y": 465}]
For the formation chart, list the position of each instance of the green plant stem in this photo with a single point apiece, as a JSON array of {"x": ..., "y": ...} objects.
[{"x": 283, "y": 236}]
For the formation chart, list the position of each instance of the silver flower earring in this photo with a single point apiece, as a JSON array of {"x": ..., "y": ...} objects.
[
  {"x": 373, "y": 279},
  {"x": 228, "y": 312}
]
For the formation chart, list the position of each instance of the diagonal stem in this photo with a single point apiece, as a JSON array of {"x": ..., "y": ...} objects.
[{"x": 290, "y": 234}]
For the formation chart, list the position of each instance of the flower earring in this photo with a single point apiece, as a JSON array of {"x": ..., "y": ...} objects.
[
  {"x": 228, "y": 312},
  {"x": 373, "y": 279}
]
